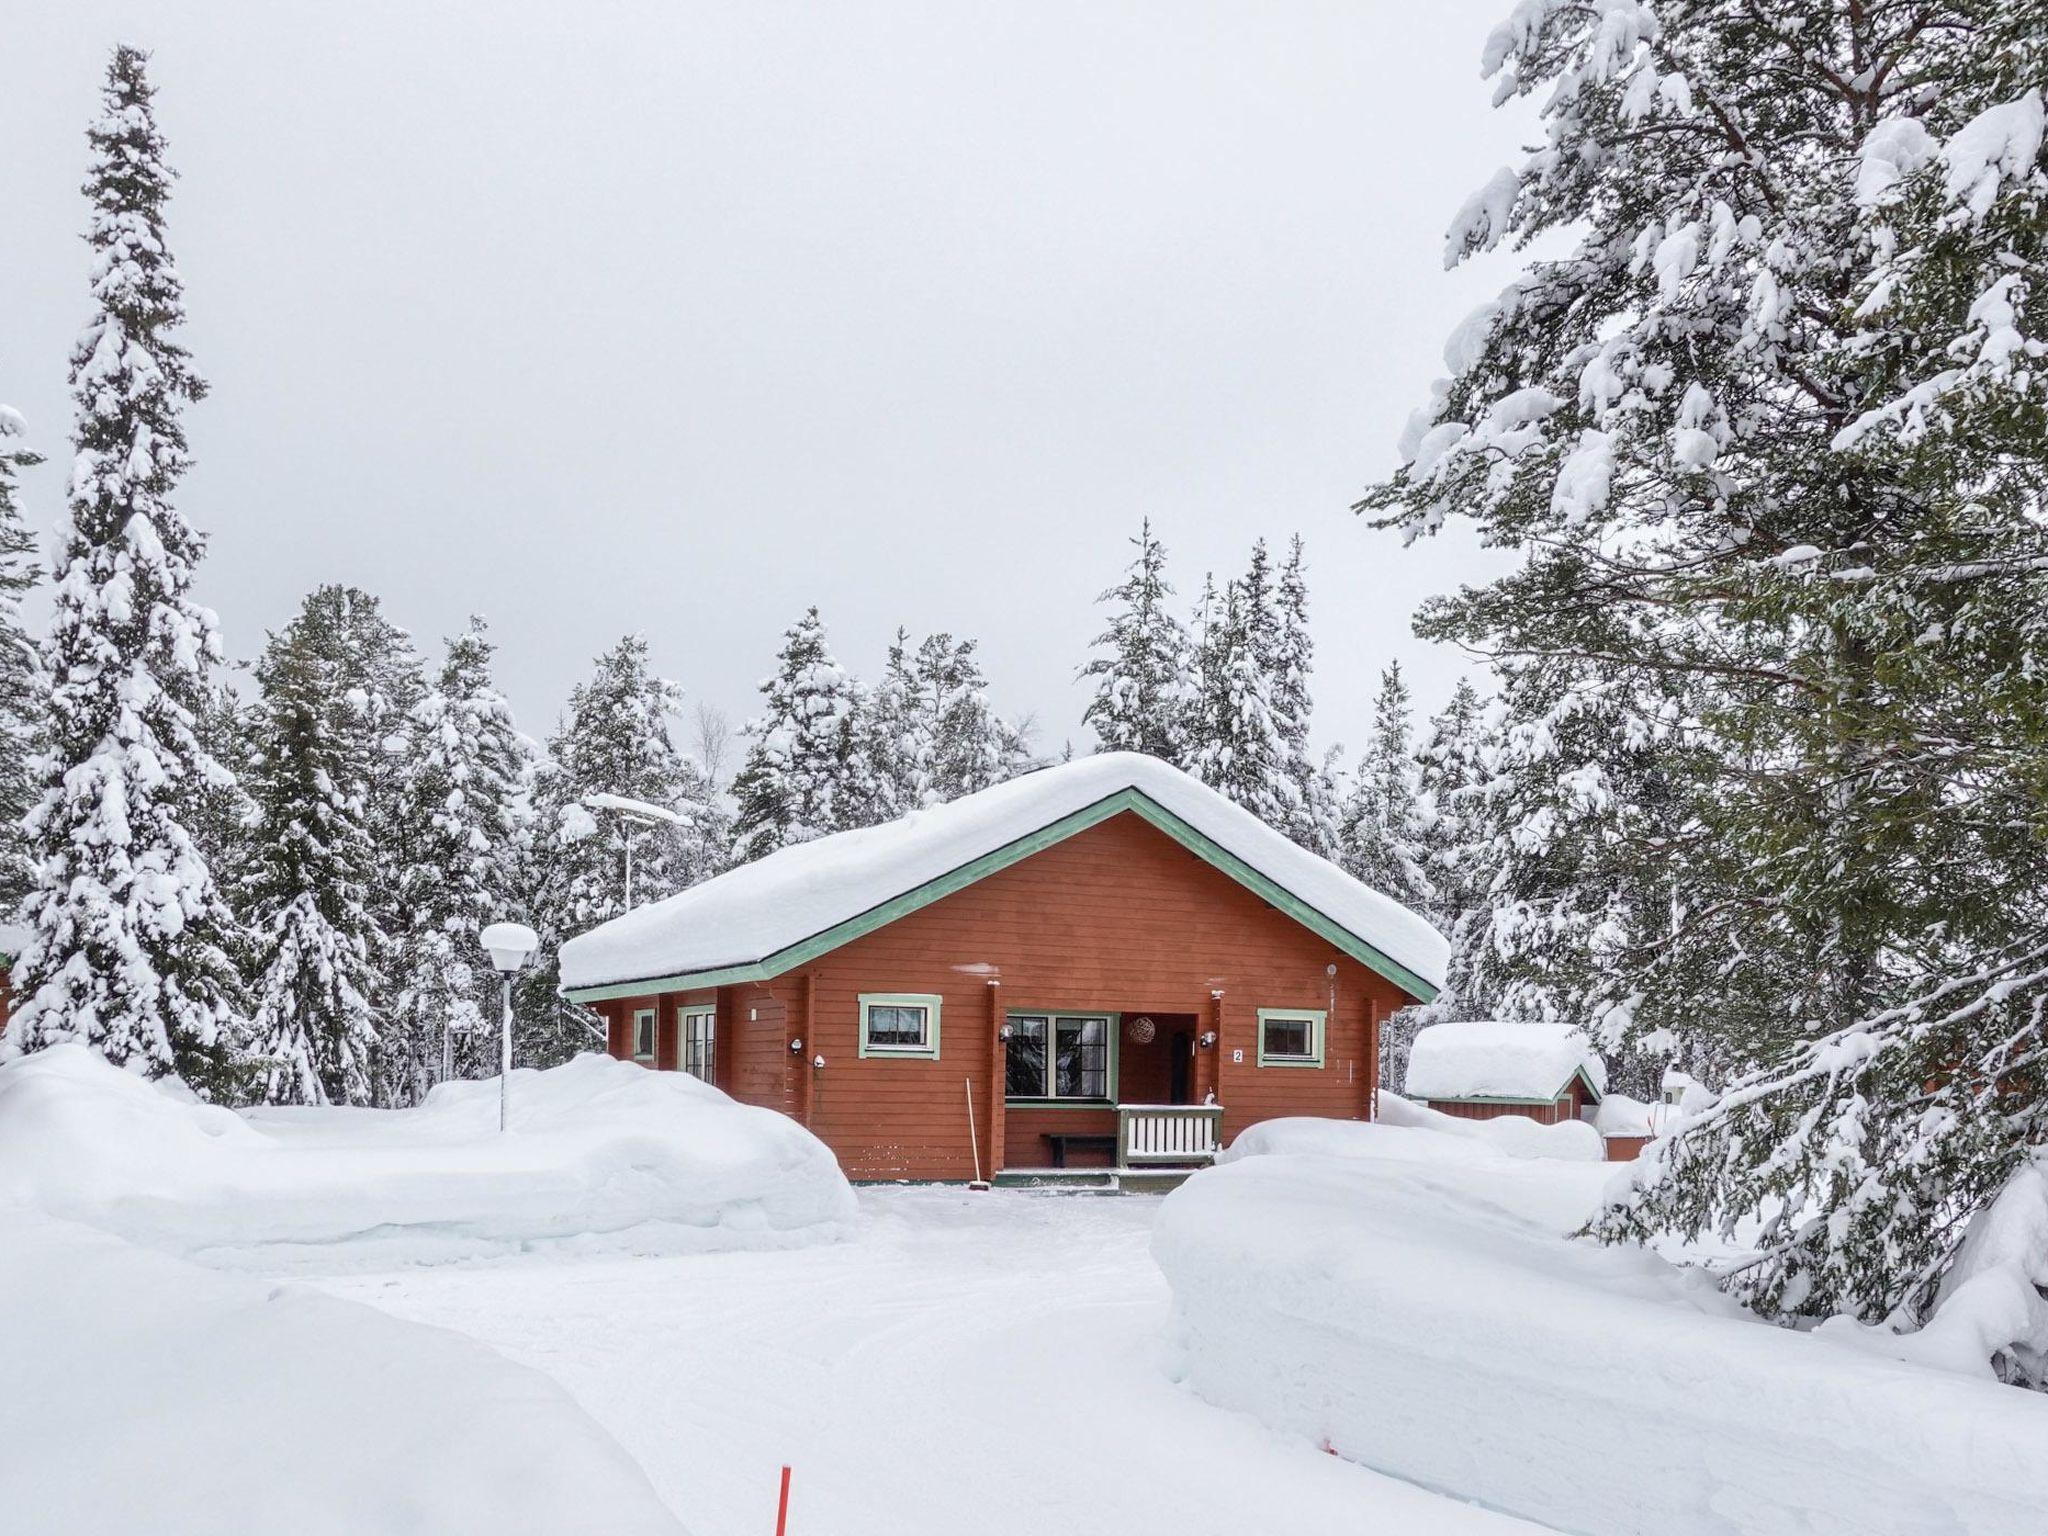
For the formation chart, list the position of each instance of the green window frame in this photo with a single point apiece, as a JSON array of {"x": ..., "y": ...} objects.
[
  {"x": 644, "y": 1029},
  {"x": 893, "y": 1005},
  {"x": 1317, "y": 1020},
  {"x": 697, "y": 1042},
  {"x": 1051, "y": 1019}
]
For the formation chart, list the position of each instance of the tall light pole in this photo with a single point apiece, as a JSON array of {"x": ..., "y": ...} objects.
[
  {"x": 634, "y": 813},
  {"x": 510, "y": 944}
]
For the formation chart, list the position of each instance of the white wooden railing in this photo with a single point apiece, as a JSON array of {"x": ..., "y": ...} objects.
[{"x": 1167, "y": 1133}]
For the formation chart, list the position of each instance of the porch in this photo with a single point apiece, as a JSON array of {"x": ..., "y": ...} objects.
[{"x": 1099, "y": 1096}]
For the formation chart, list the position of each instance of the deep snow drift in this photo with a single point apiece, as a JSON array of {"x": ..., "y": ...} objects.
[
  {"x": 144, "y": 1394},
  {"x": 1418, "y": 1308},
  {"x": 601, "y": 1154}
]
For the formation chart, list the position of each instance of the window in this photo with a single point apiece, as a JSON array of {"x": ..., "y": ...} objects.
[
  {"x": 899, "y": 1024},
  {"x": 1061, "y": 1056},
  {"x": 700, "y": 1042},
  {"x": 643, "y": 1034},
  {"x": 1290, "y": 1037}
]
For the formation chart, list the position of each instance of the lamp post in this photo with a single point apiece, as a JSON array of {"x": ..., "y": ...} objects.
[
  {"x": 633, "y": 813},
  {"x": 511, "y": 945}
]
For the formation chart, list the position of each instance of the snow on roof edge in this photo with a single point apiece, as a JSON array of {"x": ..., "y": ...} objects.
[
  {"x": 1500, "y": 1059},
  {"x": 747, "y": 915}
]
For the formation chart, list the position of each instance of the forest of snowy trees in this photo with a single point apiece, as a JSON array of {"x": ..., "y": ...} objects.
[{"x": 1751, "y": 780}]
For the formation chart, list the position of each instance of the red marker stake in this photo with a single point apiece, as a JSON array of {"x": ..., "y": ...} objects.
[{"x": 782, "y": 1507}]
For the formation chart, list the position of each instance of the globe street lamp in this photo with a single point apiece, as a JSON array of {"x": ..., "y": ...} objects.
[{"x": 510, "y": 946}]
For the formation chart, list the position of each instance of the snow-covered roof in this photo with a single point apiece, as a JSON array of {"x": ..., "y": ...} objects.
[
  {"x": 13, "y": 940},
  {"x": 780, "y": 910},
  {"x": 1492, "y": 1059}
]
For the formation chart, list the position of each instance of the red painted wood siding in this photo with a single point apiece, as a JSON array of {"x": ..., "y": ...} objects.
[{"x": 1119, "y": 918}]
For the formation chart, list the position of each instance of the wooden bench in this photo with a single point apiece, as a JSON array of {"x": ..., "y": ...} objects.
[{"x": 1062, "y": 1141}]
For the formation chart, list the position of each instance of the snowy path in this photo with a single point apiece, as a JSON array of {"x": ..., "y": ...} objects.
[{"x": 974, "y": 1365}]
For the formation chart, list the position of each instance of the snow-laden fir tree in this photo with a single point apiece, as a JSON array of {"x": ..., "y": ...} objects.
[
  {"x": 1768, "y": 433},
  {"x": 1142, "y": 669},
  {"x": 306, "y": 888},
  {"x": 21, "y": 688},
  {"x": 802, "y": 748},
  {"x": 1380, "y": 839},
  {"x": 1314, "y": 819},
  {"x": 131, "y": 941},
  {"x": 464, "y": 791},
  {"x": 615, "y": 739},
  {"x": 891, "y": 769},
  {"x": 969, "y": 746},
  {"x": 1235, "y": 741}
]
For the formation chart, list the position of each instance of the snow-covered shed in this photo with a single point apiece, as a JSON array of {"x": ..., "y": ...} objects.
[
  {"x": 1101, "y": 962},
  {"x": 1479, "y": 1068}
]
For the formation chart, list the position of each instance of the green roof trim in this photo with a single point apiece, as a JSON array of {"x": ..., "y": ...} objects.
[{"x": 881, "y": 915}]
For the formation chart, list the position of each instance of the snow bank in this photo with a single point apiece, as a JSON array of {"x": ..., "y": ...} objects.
[
  {"x": 143, "y": 1394},
  {"x": 601, "y": 1154},
  {"x": 1511, "y": 1135},
  {"x": 1489, "y": 1059},
  {"x": 746, "y": 914},
  {"x": 1419, "y": 1311}
]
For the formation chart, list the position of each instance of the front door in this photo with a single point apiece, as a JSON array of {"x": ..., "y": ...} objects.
[{"x": 1181, "y": 1070}]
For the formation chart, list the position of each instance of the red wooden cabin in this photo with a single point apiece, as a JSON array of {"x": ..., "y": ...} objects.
[{"x": 1099, "y": 964}]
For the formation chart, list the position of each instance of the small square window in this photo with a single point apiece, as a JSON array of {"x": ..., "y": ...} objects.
[
  {"x": 643, "y": 1034},
  {"x": 1290, "y": 1037},
  {"x": 899, "y": 1024}
]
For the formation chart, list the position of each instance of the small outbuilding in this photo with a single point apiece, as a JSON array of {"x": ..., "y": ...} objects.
[{"x": 1477, "y": 1069}]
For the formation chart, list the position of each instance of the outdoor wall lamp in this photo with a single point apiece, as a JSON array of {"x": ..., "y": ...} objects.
[
  {"x": 817, "y": 1061},
  {"x": 1006, "y": 1032},
  {"x": 796, "y": 1047},
  {"x": 1208, "y": 1040}
]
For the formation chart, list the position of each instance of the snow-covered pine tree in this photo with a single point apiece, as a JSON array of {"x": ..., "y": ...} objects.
[
  {"x": 1142, "y": 668},
  {"x": 21, "y": 688},
  {"x": 307, "y": 884},
  {"x": 1381, "y": 835},
  {"x": 802, "y": 747},
  {"x": 464, "y": 791},
  {"x": 1769, "y": 436},
  {"x": 615, "y": 739},
  {"x": 1237, "y": 747},
  {"x": 1314, "y": 821},
  {"x": 971, "y": 746},
  {"x": 131, "y": 941},
  {"x": 891, "y": 769}
]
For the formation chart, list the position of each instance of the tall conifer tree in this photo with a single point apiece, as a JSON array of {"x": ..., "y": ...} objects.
[
  {"x": 1142, "y": 672},
  {"x": 131, "y": 950},
  {"x": 802, "y": 747},
  {"x": 20, "y": 685}
]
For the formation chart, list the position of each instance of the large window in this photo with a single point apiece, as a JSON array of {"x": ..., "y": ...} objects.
[
  {"x": 899, "y": 1024},
  {"x": 700, "y": 1043},
  {"x": 1290, "y": 1037},
  {"x": 1061, "y": 1056},
  {"x": 643, "y": 1034}
]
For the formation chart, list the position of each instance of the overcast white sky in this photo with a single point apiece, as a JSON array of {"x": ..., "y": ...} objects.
[{"x": 627, "y": 314}]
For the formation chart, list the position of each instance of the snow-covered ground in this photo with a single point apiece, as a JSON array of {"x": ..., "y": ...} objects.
[{"x": 984, "y": 1363}]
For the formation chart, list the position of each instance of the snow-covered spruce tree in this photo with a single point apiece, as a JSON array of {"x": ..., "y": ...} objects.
[
  {"x": 802, "y": 747},
  {"x": 465, "y": 782},
  {"x": 130, "y": 951},
  {"x": 1314, "y": 819},
  {"x": 1142, "y": 667},
  {"x": 21, "y": 687},
  {"x": 306, "y": 887},
  {"x": 1381, "y": 836},
  {"x": 614, "y": 740},
  {"x": 890, "y": 772},
  {"x": 971, "y": 746},
  {"x": 1237, "y": 749},
  {"x": 1770, "y": 437}
]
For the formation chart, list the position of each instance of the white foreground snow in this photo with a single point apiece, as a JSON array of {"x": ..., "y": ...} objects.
[
  {"x": 988, "y": 1364},
  {"x": 1418, "y": 1308},
  {"x": 601, "y": 1154},
  {"x": 142, "y": 1394}
]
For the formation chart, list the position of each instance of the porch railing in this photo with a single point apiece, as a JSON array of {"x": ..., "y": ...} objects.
[{"x": 1167, "y": 1133}]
